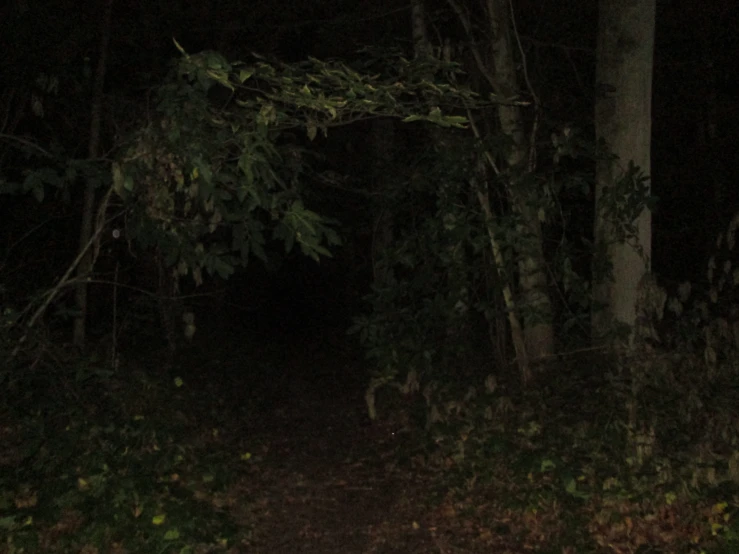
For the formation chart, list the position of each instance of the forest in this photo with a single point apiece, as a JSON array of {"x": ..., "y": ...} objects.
[{"x": 392, "y": 277}]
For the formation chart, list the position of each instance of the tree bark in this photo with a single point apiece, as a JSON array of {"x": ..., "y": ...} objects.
[
  {"x": 496, "y": 64},
  {"x": 623, "y": 120},
  {"x": 382, "y": 144},
  {"x": 538, "y": 326},
  {"x": 88, "y": 205}
]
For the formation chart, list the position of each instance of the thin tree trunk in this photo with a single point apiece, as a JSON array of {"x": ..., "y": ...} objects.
[
  {"x": 623, "y": 118},
  {"x": 518, "y": 337},
  {"x": 421, "y": 43},
  {"x": 497, "y": 66},
  {"x": 382, "y": 144},
  {"x": 88, "y": 206},
  {"x": 538, "y": 326}
]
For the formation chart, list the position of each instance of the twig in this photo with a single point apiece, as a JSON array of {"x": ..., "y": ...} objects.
[{"x": 66, "y": 278}]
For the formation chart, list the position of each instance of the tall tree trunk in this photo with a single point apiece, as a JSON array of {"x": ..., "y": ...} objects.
[
  {"x": 88, "y": 206},
  {"x": 623, "y": 119}
]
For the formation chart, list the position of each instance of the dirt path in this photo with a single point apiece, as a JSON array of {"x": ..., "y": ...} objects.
[
  {"x": 321, "y": 490},
  {"x": 323, "y": 480}
]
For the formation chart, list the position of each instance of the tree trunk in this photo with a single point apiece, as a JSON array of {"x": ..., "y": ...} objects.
[
  {"x": 623, "y": 120},
  {"x": 88, "y": 206},
  {"x": 538, "y": 326},
  {"x": 496, "y": 65},
  {"x": 382, "y": 145}
]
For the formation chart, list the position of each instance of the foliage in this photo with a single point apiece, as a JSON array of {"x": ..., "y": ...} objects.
[
  {"x": 220, "y": 172},
  {"x": 43, "y": 162},
  {"x": 217, "y": 173},
  {"x": 550, "y": 466},
  {"x": 422, "y": 315},
  {"x": 563, "y": 450},
  {"x": 441, "y": 300},
  {"x": 702, "y": 317},
  {"x": 97, "y": 461}
]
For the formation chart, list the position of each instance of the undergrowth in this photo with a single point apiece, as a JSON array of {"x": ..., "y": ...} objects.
[
  {"x": 95, "y": 460},
  {"x": 559, "y": 469},
  {"x": 606, "y": 451}
]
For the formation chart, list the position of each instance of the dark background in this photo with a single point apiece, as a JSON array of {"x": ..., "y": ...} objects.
[{"x": 695, "y": 124}]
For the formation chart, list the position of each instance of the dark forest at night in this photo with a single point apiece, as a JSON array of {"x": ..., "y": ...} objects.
[{"x": 369, "y": 277}]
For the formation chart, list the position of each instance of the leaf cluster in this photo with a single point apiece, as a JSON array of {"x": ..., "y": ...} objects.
[
  {"x": 95, "y": 462},
  {"x": 214, "y": 179},
  {"x": 561, "y": 451}
]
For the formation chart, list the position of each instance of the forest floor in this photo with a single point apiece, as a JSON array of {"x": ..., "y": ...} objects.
[
  {"x": 252, "y": 441},
  {"x": 258, "y": 441},
  {"x": 323, "y": 479}
]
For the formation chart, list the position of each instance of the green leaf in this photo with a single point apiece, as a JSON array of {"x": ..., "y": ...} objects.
[
  {"x": 312, "y": 131},
  {"x": 245, "y": 75},
  {"x": 7, "y": 522},
  {"x": 38, "y": 193},
  {"x": 322, "y": 251},
  {"x": 171, "y": 535},
  {"x": 222, "y": 268}
]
